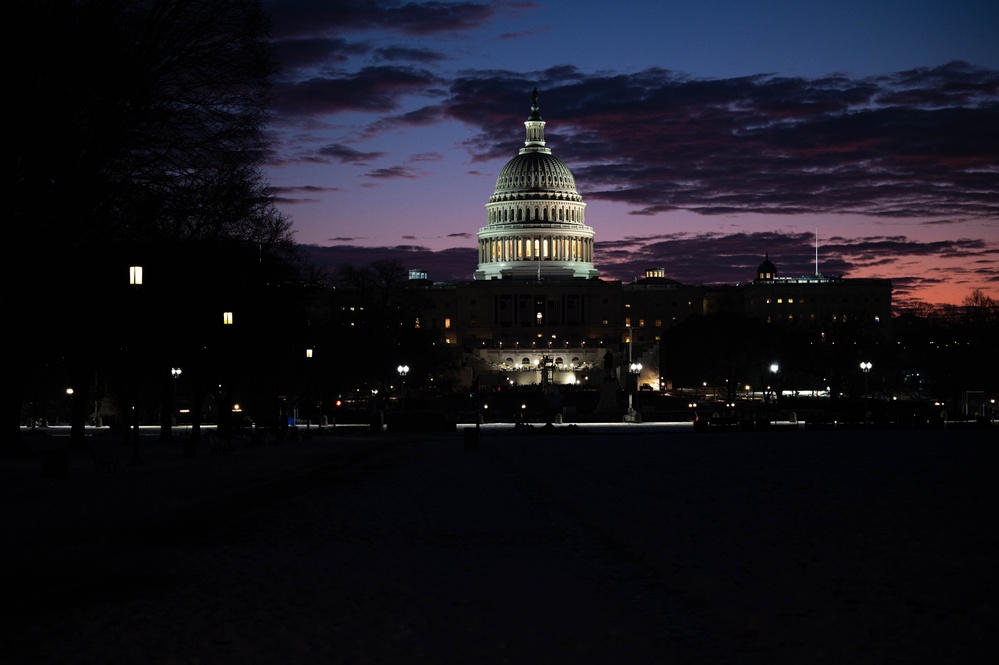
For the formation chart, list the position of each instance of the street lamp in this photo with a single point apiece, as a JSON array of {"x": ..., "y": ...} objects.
[
  {"x": 69, "y": 397},
  {"x": 865, "y": 368},
  {"x": 167, "y": 414},
  {"x": 134, "y": 280},
  {"x": 774, "y": 369},
  {"x": 403, "y": 371},
  {"x": 634, "y": 369}
]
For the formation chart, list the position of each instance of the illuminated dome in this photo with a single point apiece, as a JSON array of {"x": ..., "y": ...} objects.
[
  {"x": 535, "y": 216},
  {"x": 533, "y": 175}
]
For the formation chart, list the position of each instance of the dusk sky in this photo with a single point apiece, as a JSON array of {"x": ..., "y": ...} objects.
[{"x": 702, "y": 134}]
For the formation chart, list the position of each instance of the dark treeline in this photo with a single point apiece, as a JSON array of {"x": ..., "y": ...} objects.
[{"x": 931, "y": 353}]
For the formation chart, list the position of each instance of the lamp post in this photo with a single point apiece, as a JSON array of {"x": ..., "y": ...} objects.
[
  {"x": 313, "y": 406},
  {"x": 634, "y": 369},
  {"x": 403, "y": 371},
  {"x": 69, "y": 398},
  {"x": 865, "y": 368},
  {"x": 774, "y": 369},
  {"x": 168, "y": 422},
  {"x": 132, "y": 428}
]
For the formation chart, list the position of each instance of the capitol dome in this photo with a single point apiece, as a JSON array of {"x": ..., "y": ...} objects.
[
  {"x": 535, "y": 174},
  {"x": 535, "y": 216}
]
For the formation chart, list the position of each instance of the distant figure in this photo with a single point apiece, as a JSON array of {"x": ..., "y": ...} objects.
[{"x": 609, "y": 366}]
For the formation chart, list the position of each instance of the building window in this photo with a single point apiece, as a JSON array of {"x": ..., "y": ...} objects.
[
  {"x": 627, "y": 321},
  {"x": 641, "y": 323},
  {"x": 447, "y": 323},
  {"x": 659, "y": 323}
]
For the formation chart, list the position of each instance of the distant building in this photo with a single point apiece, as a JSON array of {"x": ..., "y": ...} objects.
[{"x": 816, "y": 300}]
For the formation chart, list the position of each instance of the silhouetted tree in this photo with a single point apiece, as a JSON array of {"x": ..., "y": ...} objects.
[{"x": 139, "y": 128}]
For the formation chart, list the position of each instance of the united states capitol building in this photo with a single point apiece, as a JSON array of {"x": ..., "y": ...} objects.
[{"x": 537, "y": 312}]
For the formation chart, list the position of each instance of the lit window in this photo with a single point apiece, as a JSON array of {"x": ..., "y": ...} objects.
[
  {"x": 659, "y": 323},
  {"x": 447, "y": 324},
  {"x": 780, "y": 301},
  {"x": 641, "y": 323},
  {"x": 627, "y": 321}
]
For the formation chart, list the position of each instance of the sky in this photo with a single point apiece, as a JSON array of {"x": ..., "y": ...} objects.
[{"x": 702, "y": 135}]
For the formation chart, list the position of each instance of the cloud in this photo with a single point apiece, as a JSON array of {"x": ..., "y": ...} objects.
[
  {"x": 346, "y": 155},
  {"x": 295, "y": 18},
  {"x": 391, "y": 172},
  {"x": 426, "y": 157},
  {"x": 300, "y": 54},
  {"x": 919, "y": 143},
  {"x": 313, "y": 194},
  {"x": 395, "y": 53},
  {"x": 375, "y": 89}
]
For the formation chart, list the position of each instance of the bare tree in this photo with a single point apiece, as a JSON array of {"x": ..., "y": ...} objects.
[{"x": 139, "y": 124}]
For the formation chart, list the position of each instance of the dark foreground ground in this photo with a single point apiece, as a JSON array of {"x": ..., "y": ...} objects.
[{"x": 628, "y": 545}]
